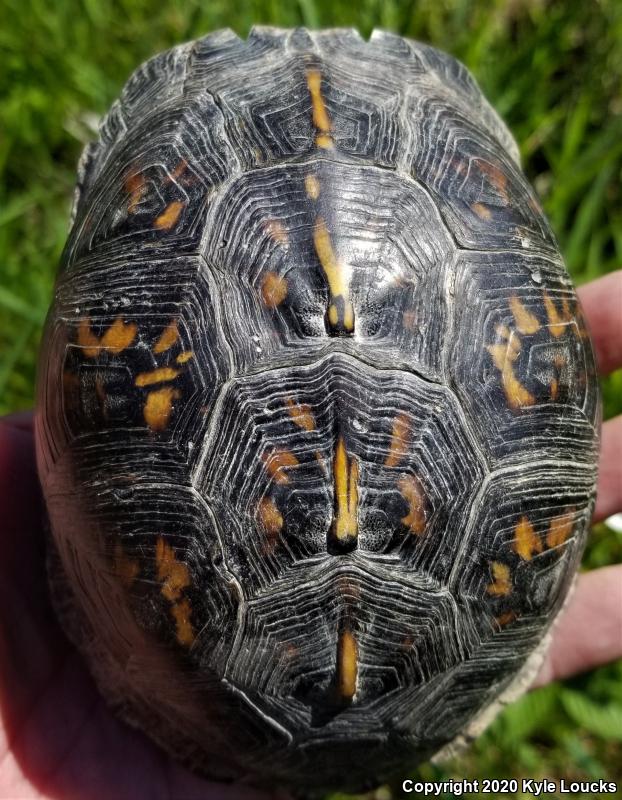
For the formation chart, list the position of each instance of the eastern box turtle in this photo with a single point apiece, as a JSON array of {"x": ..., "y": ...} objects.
[{"x": 318, "y": 414}]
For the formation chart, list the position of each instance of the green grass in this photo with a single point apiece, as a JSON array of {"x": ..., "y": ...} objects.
[{"x": 553, "y": 69}]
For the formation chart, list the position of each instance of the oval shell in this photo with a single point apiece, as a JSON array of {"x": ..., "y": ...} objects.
[{"x": 318, "y": 414}]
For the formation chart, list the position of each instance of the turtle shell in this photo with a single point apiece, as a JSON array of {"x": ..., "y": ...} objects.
[{"x": 318, "y": 416}]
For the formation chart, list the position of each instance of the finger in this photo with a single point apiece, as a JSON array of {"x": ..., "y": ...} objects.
[
  {"x": 22, "y": 420},
  {"x": 609, "y": 499},
  {"x": 589, "y": 630},
  {"x": 602, "y": 304}
]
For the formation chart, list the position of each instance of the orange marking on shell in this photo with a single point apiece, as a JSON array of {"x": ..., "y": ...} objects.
[
  {"x": 172, "y": 573},
  {"x": 560, "y": 528},
  {"x": 501, "y": 580},
  {"x": 167, "y": 338},
  {"x": 345, "y": 476},
  {"x": 409, "y": 319},
  {"x": 168, "y": 218},
  {"x": 182, "y": 358},
  {"x": 136, "y": 187},
  {"x": 126, "y": 569},
  {"x": 301, "y": 414},
  {"x": 119, "y": 336},
  {"x": 527, "y": 542},
  {"x": 412, "y": 491},
  {"x": 347, "y": 664},
  {"x": 174, "y": 576},
  {"x": 336, "y": 274},
  {"x": 400, "y": 438},
  {"x": 482, "y": 211},
  {"x": 270, "y": 518},
  {"x": 506, "y": 618},
  {"x": 496, "y": 176},
  {"x": 504, "y": 355},
  {"x": 557, "y": 322},
  {"x": 321, "y": 119},
  {"x": 273, "y": 289},
  {"x": 582, "y": 331},
  {"x": 159, "y": 407},
  {"x": 181, "y": 612},
  {"x": 324, "y": 141},
  {"x": 276, "y": 230},
  {"x": 90, "y": 343},
  {"x": 312, "y": 187},
  {"x": 277, "y": 461},
  {"x": 554, "y": 389},
  {"x": 156, "y": 376},
  {"x": 526, "y": 322},
  {"x": 115, "y": 339},
  {"x": 177, "y": 172}
]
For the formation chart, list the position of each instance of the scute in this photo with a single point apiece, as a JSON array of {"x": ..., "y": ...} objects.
[{"x": 318, "y": 413}]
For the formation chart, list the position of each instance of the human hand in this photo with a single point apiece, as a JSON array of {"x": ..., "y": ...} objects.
[{"x": 59, "y": 740}]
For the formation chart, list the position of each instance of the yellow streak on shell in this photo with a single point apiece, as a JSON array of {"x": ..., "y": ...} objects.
[
  {"x": 177, "y": 172},
  {"x": 301, "y": 414},
  {"x": 504, "y": 355},
  {"x": 412, "y": 492},
  {"x": 345, "y": 475},
  {"x": 116, "y": 338},
  {"x": 136, "y": 187},
  {"x": 159, "y": 407},
  {"x": 502, "y": 582},
  {"x": 527, "y": 542},
  {"x": 277, "y": 461},
  {"x": 169, "y": 216},
  {"x": 173, "y": 574},
  {"x": 321, "y": 119},
  {"x": 347, "y": 665},
  {"x": 182, "y": 358},
  {"x": 182, "y": 611},
  {"x": 324, "y": 141},
  {"x": 482, "y": 211},
  {"x": 167, "y": 338},
  {"x": 498, "y": 178},
  {"x": 560, "y": 528},
  {"x": 312, "y": 187},
  {"x": 270, "y": 517},
  {"x": 335, "y": 273},
  {"x": 276, "y": 230},
  {"x": 400, "y": 437},
  {"x": 526, "y": 322},
  {"x": 557, "y": 322},
  {"x": 273, "y": 289},
  {"x": 506, "y": 618},
  {"x": 156, "y": 376}
]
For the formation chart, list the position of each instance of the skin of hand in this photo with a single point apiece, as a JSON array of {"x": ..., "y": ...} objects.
[{"x": 57, "y": 737}]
